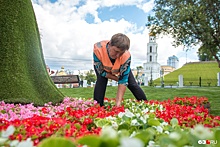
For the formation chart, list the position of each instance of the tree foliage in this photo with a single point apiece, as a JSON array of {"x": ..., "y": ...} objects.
[
  {"x": 23, "y": 74},
  {"x": 190, "y": 22},
  {"x": 204, "y": 54},
  {"x": 90, "y": 76},
  {"x": 139, "y": 69}
]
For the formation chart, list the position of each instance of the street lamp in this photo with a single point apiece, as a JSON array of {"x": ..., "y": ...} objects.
[
  {"x": 186, "y": 54},
  {"x": 161, "y": 77}
]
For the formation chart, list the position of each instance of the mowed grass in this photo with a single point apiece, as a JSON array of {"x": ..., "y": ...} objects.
[
  {"x": 191, "y": 73},
  {"x": 154, "y": 93}
]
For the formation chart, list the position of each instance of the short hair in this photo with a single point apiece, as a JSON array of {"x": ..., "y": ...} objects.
[{"x": 121, "y": 41}]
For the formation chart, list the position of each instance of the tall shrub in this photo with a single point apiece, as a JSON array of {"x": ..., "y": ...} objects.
[{"x": 23, "y": 75}]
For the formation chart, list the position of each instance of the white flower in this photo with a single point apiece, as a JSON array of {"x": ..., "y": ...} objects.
[
  {"x": 108, "y": 132},
  {"x": 202, "y": 132},
  {"x": 151, "y": 143},
  {"x": 121, "y": 114},
  {"x": 131, "y": 142},
  {"x": 145, "y": 110},
  {"x": 111, "y": 118},
  {"x": 128, "y": 113},
  {"x": 114, "y": 125},
  {"x": 9, "y": 131},
  {"x": 151, "y": 111},
  {"x": 166, "y": 132},
  {"x": 163, "y": 124},
  {"x": 175, "y": 136},
  {"x": 14, "y": 143},
  {"x": 159, "y": 129},
  {"x": 26, "y": 143},
  {"x": 134, "y": 122},
  {"x": 133, "y": 134},
  {"x": 143, "y": 119},
  {"x": 161, "y": 107}
]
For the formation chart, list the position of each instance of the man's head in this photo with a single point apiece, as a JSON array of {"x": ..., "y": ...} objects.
[{"x": 118, "y": 44}]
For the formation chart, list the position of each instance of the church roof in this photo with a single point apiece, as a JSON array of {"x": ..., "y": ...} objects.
[
  {"x": 61, "y": 72},
  {"x": 152, "y": 34}
]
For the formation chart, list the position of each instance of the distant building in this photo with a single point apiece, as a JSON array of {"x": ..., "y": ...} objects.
[
  {"x": 61, "y": 72},
  {"x": 173, "y": 61},
  {"x": 167, "y": 69},
  {"x": 152, "y": 67}
]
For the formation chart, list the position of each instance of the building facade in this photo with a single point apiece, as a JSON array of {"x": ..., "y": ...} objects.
[
  {"x": 152, "y": 67},
  {"x": 173, "y": 61}
]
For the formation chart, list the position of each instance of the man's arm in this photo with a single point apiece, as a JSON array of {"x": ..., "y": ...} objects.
[
  {"x": 120, "y": 94},
  {"x": 123, "y": 81},
  {"x": 110, "y": 76}
]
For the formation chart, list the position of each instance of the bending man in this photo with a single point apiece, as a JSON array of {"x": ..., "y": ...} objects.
[{"x": 112, "y": 60}]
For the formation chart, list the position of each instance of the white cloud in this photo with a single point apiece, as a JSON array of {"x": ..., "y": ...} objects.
[
  {"x": 67, "y": 39},
  {"x": 146, "y": 7}
]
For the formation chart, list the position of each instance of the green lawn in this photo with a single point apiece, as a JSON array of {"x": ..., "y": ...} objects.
[
  {"x": 191, "y": 73},
  {"x": 212, "y": 93}
]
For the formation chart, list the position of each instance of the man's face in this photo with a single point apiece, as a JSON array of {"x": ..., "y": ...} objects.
[{"x": 115, "y": 52}]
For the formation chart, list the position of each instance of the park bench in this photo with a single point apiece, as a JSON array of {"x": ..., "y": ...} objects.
[{"x": 66, "y": 79}]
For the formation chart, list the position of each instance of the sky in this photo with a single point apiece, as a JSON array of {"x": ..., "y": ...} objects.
[{"x": 70, "y": 28}]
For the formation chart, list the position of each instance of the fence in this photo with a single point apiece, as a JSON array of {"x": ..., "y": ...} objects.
[{"x": 199, "y": 81}]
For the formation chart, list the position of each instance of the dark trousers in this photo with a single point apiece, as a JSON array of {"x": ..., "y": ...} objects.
[{"x": 101, "y": 84}]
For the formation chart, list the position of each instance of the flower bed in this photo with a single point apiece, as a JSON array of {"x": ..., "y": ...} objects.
[{"x": 150, "y": 123}]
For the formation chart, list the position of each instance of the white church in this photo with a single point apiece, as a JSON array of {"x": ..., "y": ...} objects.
[{"x": 151, "y": 68}]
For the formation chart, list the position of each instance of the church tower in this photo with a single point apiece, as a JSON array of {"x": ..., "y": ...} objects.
[
  {"x": 152, "y": 67},
  {"x": 152, "y": 49}
]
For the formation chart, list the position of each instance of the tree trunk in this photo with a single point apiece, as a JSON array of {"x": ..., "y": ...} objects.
[{"x": 23, "y": 74}]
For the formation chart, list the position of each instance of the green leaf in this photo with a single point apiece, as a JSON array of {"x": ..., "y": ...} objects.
[
  {"x": 174, "y": 122},
  {"x": 217, "y": 136},
  {"x": 3, "y": 111},
  {"x": 102, "y": 122},
  {"x": 109, "y": 143},
  {"x": 153, "y": 122},
  {"x": 123, "y": 133},
  {"x": 145, "y": 136},
  {"x": 152, "y": 115},
  {"x": 90, "y": 140},
  {"x": 125, "y": 126},
  {"x": 77, "y": 125},
  {"x": 56, "y": 142}
]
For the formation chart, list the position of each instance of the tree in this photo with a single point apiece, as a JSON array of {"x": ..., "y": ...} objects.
[
  {"x": 90, "y": 76},
  {"x": 204, "y": 54},
  {"x": 139, "y": 68},
  {"x": 23, "y": 74},
  {"x": 189, "y": 22}
]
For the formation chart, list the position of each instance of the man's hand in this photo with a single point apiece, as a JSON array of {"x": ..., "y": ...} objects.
[
  {"x": 112, "y": 77},
  {"x": 120, "y": 94}
]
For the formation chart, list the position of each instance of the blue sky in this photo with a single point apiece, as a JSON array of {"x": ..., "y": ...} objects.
[
  {"x": 129, "y": 13},
  {"x": 69, "y": 28}
]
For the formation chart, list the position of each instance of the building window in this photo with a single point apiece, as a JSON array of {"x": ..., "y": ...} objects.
[
  {"x": 150, "y": 58},
  {"x": 150, "y": 49}
]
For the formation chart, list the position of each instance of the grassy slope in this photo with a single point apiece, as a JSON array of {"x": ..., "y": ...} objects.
[
  {"x": 23, "y": 74},
  {"x": 212, "y": 93},
  {"x": 191, "y": 73}
]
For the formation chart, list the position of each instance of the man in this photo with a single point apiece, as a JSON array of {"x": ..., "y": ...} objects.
[{"x": 112, "y": 61}]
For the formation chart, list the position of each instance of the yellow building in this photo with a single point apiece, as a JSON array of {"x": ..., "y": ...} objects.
[
  {"x": 61, "y": 72},
  {"x": 167, "y": 69}
]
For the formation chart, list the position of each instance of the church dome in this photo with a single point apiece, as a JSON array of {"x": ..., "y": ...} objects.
[
  {"x": 61, "y": 72},
  {"x": 152, "y": 34}
]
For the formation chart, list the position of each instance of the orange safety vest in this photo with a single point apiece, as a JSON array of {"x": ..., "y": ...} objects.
[{"x": 101, "y": 52}]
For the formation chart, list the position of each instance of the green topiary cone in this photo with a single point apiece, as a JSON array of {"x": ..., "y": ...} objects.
[{"x": 23, "y": 75}]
